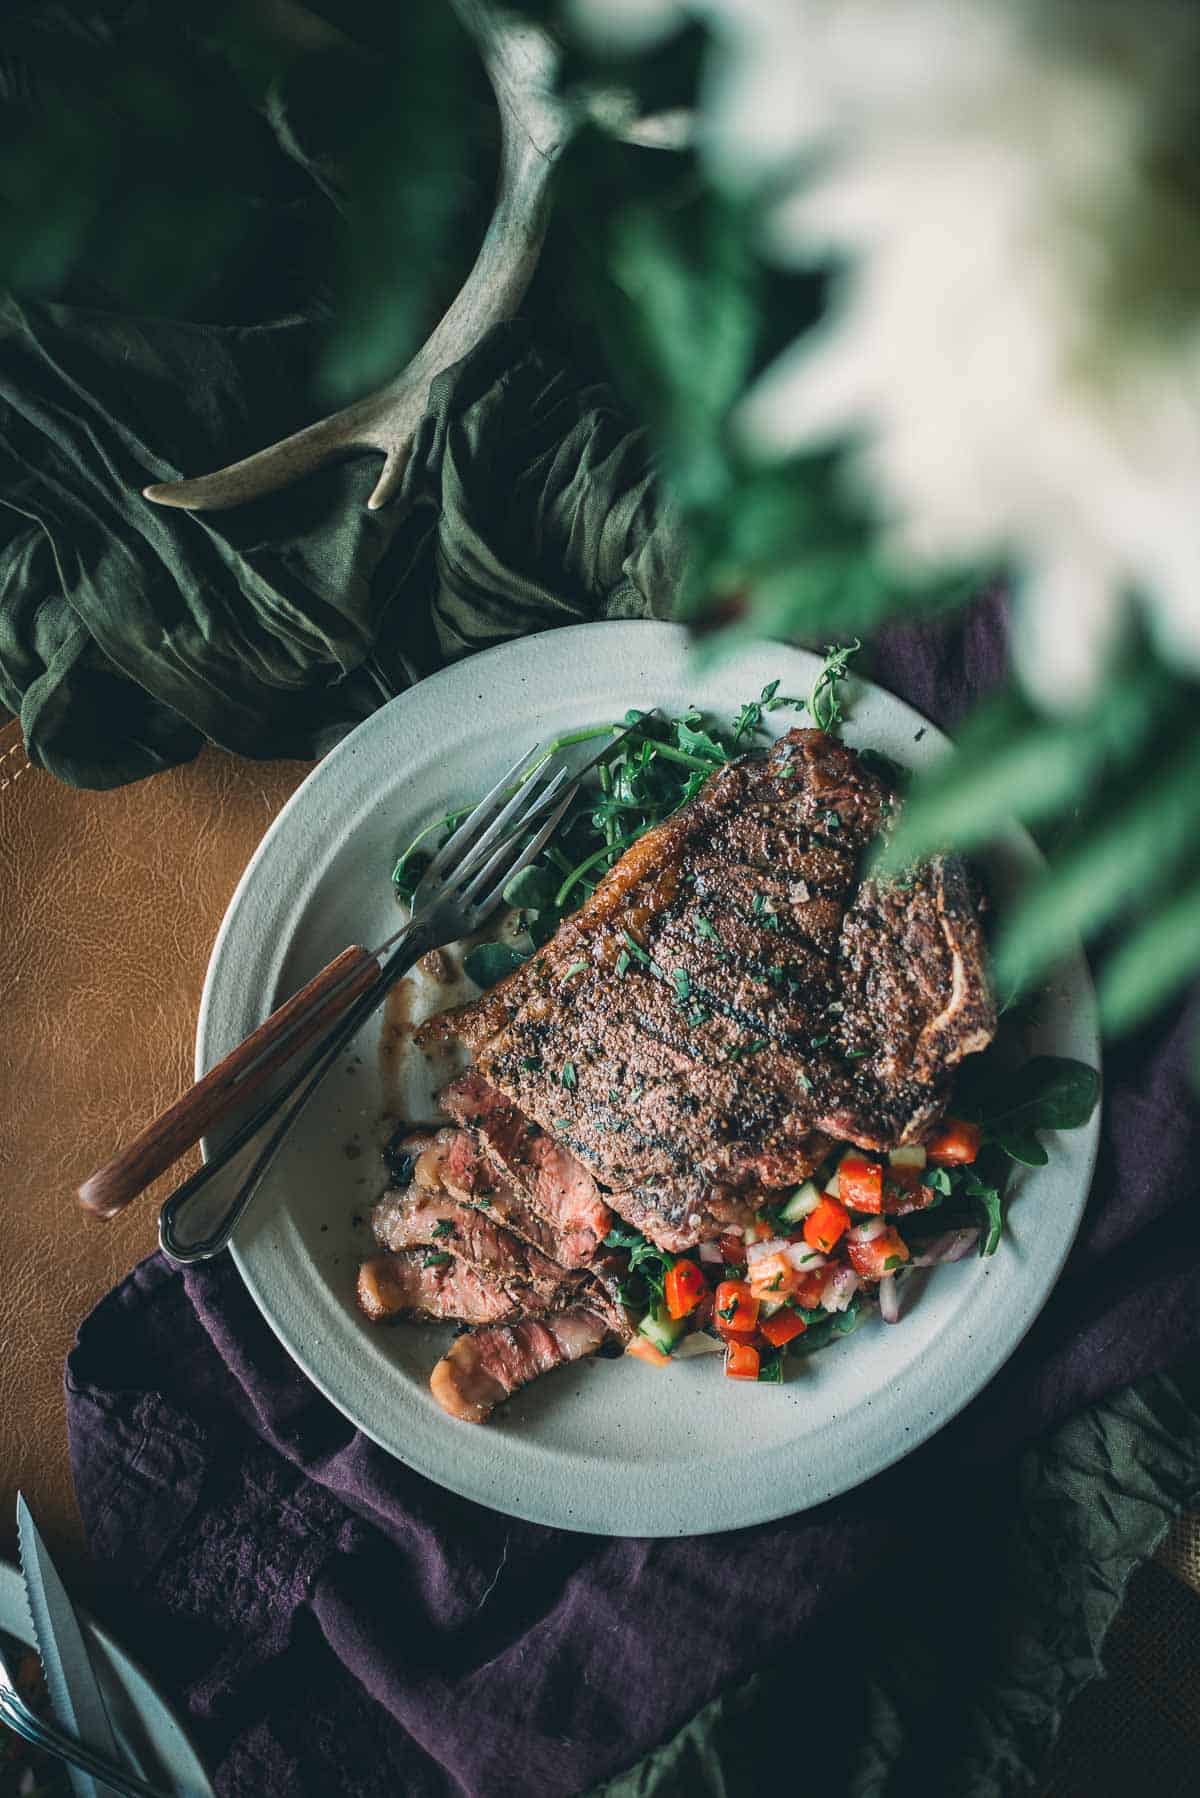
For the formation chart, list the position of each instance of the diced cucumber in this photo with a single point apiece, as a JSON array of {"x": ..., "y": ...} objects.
[
  {"x": 663, "y": 1330},
  {"x": 806, "y": 1198},
  {"x": 911, "y": 1155},
  {"x": 832, "y": 1185}
]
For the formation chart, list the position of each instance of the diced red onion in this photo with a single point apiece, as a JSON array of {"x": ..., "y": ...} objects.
[
  {"x": 802, "y": 1258},
  {"x": 869, "y": 1229},
  {"x": 839, "y": 1289},
  {"x": 758, "y": 1251},
  {"x": 889, "y": 1299},
  {"x": 950, "y": 1247},
  {"x": 710, "y": 1251}
]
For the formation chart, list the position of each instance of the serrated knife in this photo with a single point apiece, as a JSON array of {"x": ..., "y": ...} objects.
[{"x": 70, "y": 1678}]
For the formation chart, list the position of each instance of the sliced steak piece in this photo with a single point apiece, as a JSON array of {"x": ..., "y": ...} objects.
[
  {"x": 404, "y": 1285},
  {"x": 747, "y": 995},
  {"x": 548, "y": 1177},
  {"x": 414, "y": 1219},
  {"x": 480, "y": 1370},
  {"x": 468, "y": 1173}
]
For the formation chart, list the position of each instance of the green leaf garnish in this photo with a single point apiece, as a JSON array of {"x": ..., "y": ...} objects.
[{"x": 487, "y": 963}]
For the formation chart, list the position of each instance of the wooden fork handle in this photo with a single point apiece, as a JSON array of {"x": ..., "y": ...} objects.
[{"x": 182, "y": 1124}]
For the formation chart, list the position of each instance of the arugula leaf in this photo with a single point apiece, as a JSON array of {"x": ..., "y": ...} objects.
[
  {"x": 1049, "y": 1092},
  {"x": 694, "y": 741},
  {"x": 652, "y": 1263},
  {"x": 487, "y": 963},
  {"x": 825, "y": 701},
  {"x": 990, "y": 1197},
  {"x": 1022, "y": 1146},
  {"x": 533, "y": 889}
]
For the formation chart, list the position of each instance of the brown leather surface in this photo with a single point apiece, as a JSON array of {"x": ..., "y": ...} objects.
[{"x": 110, "y": 905}]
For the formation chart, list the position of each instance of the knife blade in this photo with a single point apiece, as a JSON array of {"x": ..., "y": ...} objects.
[{"x": 74, "y": 1690}]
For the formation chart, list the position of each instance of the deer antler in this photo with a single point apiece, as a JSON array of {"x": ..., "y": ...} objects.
[{"x": 520, "y": 62}]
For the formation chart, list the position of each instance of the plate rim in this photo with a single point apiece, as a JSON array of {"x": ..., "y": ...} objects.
[{"x": 551, "y": 1514}]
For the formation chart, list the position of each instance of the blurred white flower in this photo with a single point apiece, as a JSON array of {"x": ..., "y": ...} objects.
[{"x": 1013, "y": 189}]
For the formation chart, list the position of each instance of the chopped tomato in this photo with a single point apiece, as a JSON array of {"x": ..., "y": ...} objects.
[
  {"x": 759, "y": 1231},
  {"x": 771, "y": 1275},
  {"x": 954, "y": 1143},
  {"x": 878, "y": 1254},
  {"x": 683, "y": 1288},
  {"x": 824, "y": 1225},
  {"x": 782, "y": 1327},
  {"x": 741, "y": 1361},
  {"x": 733, "y": 1249},
  {"x": 809, "y": 1287},
  {"x": 904, "y": 1190},
  {"x": 736, "y": 1309},
  {"x": 860, "y": 1183},
  {"x": 642, "y": 1349}
]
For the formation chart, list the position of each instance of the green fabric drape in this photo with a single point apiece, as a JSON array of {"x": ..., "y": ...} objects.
[{"x": 130, "y": 632}]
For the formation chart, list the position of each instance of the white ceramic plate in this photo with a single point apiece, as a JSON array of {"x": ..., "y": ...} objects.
[
  {"x": 140, "y": 1718},
  {"x": 602, "y": 1446}
]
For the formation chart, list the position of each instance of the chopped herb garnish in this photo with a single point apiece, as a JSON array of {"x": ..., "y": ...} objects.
[
  {"x": 758, "y": 905},
  {"x": 770, "y": 1370},
  {"x": 653, "y": 1264},
  {"x": 443, "y": 1227},
  {"x": 805, "y": 1082},
  {"x": 614, "y": 1096},
  {"x": 818, "y": 1042},
  {"x": 832, "y": 820},
  {"x": 729, "y": 1311},
  {"x": 636, "y": 1094},
  {"x": 891, "y": 1262},
  {"x": 776, "y": 1283},
  {"x": 576, "y": 967},
  {"x": 622, "y": 964},
  {"x": 704, "y": 928},
  {"x": 938, "y": 1178},
  {"x": 567, "y": 1077},
  {"x": 438, "y": 1259},
  {"x": 531, "y": 1063},
  {"x": 635, "y": 949},
  {"x": 856, "y": 1054},
  {"x": 683, "y": 984},
  {"x": 562, "y": 1123}
]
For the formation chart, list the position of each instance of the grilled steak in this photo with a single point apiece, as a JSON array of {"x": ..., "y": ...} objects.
[
  {"x": 482, "y": 1369},
  {"x": 414, "y": 1219},
  {"x": 392, "y": 1286},
  {"x": 745, "y": 998},
  {"x": 552, "y": 1183}
]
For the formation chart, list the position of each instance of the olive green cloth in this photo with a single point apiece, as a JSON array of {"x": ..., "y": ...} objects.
[{"x": 130, "y": 632}]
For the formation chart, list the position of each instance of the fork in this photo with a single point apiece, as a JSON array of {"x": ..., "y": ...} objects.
[
  {"x": 458, "y": 892},
  {"x": 24, "y": 1722}
]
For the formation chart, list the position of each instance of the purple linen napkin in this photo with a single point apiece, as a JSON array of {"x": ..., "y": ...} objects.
[{"x": 332, "y": 1622}]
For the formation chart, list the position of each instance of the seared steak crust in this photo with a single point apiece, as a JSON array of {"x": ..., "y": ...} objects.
[{"x": 745, "y": 997}]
